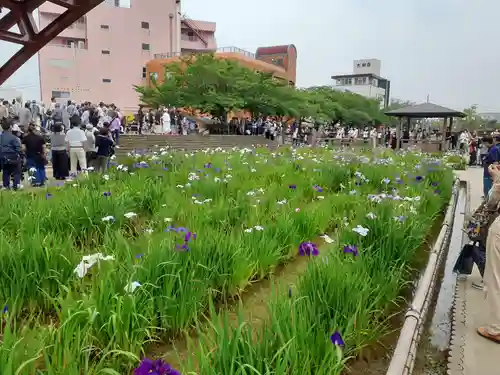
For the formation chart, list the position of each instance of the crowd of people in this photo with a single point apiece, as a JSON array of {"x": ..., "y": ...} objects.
[{"x": 80, "y": 137}]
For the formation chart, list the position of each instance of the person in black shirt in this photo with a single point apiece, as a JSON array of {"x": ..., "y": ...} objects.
[
  {"x": 10, "y": 156},
  {"x": 34, "y": 146},
  {"x": 140, "y": 118},
  {"x": 104, "y": 145}
]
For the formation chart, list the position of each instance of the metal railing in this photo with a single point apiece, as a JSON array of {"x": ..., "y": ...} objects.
[
  {"x": 194, "y": 27},
  {"x": 240, "y": 51}
]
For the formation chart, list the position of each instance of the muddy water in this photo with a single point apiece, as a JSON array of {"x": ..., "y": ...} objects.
[
  {"x": 433, "y": 350},
  {"x": 440, "y": 328}
]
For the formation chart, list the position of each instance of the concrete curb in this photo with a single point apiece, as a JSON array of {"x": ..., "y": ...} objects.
[{"x": 459, "y": 317}]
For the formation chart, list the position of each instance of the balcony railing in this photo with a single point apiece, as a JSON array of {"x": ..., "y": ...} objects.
[{"x": 222, "y": 49}]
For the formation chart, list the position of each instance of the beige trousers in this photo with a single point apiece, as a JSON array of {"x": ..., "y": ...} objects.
[
  {"x": 492, "y": 277},
  {"x": 77, "y": 155}
]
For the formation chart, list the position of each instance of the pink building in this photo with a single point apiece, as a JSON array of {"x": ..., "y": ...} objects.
[{"x": 103, "y": 55}]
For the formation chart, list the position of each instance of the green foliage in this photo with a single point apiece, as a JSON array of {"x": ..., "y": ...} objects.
[
  {"x": 249, "y": 216},
  {"x": 220, "y": 86},
  {"x": 472, "y": 120}
]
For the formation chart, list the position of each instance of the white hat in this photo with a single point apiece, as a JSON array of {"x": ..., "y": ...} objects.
[{"x": 16, "y": 128}]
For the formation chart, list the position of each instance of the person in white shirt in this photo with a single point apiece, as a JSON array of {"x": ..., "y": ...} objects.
[
  {"x": 464, "y": 140},
  {"x": 52, "y": 104},
  {"x": 165, "y": 121},
  {"x": 373, "y": 136},
  {"x": 76, "y": 141}
]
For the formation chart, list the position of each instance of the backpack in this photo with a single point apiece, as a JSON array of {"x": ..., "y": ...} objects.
[{"x": 479, "y": 223}]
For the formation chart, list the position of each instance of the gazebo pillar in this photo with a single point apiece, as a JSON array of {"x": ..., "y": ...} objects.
[
  {"x": 408, "y": 129},
  {"x": 398, "y": 134},
  {"x": 444, "y": 128}
]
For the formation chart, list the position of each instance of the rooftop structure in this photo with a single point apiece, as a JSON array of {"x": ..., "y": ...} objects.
[
  {"x": 281, "y": 61},
  {"x": 103, "y": 55},
  {"x": 365, "y": 80}
]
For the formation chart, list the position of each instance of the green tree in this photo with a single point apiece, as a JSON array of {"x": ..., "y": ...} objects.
[
  {"x": 219, "y": 86},
  {"x": 472, "y": 120}
]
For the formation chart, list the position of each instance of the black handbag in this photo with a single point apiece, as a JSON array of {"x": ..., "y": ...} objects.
[
  {"x": 464, "y": 263},
  {"x": 469, "y": 255}
]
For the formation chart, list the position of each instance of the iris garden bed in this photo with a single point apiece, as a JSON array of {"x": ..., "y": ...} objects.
[{"x": 168, "y": 235}]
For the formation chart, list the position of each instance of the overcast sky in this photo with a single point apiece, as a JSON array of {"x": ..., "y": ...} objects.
[{"x": 444, "y": 48}]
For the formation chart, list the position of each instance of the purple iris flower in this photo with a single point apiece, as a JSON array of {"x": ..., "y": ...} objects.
[
  {"x": 155, "y": 367},
  {"x": 208, "y": 165},
  {"x": 48, "y": 196},
  {"x": 437, "y": 191},
  {"x": 189, "y": 235},
  {"x": 292, "y": 186},
  {"x": 107, "y": 194},
  {"x": 419, "y": 178},
  {"x": 336, "y": 339},
  {"x": 5, "y": 309},
  {"x": 139, "y": 256},
  {"x": 184, "y": 247},
  {"x": 351, "y": 249},
  {"x": 435, "y": 184},
  {"x": 165, "y": 168},
  {"x": 308, "y": 249},
  {"x": 318, "y": 188}
]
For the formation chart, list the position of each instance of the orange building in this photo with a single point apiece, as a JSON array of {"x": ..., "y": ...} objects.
[{"x": 281, "y": 61}]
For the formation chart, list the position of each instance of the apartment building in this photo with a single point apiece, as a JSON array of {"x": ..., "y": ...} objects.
[
  {"x": 104, "y": 54},
  {"x": 365, "y": 80}
]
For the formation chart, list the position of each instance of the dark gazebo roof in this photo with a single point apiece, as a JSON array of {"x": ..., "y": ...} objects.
[{"x": 425, "y": 110}]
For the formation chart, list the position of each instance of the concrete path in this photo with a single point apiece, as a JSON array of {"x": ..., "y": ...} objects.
[{"x": 470, "y": 354}]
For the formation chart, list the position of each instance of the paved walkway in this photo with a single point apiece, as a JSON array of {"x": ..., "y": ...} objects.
[{"x": 471, "y": 354}]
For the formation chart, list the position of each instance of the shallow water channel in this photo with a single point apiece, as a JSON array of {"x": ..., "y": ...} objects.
[{"x": 433, "y": 352}]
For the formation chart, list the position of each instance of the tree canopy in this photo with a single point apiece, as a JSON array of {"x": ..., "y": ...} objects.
[{"x": 214, "y": 86}]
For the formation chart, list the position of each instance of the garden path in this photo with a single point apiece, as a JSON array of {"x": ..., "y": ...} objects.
[{"x": 471, "y": 354}]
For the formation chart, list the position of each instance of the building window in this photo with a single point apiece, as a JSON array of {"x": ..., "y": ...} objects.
[
  {"x": 106, "y": 80},
  {"x": 105, "y": 27},
  {"x": 368, "y": 64},
  {"x": 153, "y": 76},
  {"x": 106, "y": 52},
  {"x": 359, "y": 65},
  {"x": 145, "y": 47},
  {"x": 364, "y": 65},
  {"x": 60, "y": 94},
  {"x": 145, "y": 25},
  {"x": 144, "y": 72}
]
